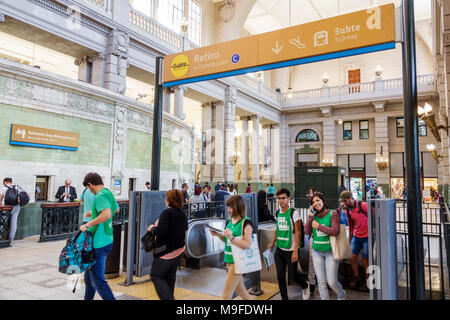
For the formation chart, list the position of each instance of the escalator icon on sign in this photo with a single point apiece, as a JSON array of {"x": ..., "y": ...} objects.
[{"x": 320, "y": 38}]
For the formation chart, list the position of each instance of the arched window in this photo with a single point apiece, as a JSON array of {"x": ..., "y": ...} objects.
[{"x": 307, "y": 135}]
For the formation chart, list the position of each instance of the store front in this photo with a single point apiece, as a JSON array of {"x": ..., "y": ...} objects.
[
  {"x": 428, "y": 173},
  {"x": 360, "y": 173}
]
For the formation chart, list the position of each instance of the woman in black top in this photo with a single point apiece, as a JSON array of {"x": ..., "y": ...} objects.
[
  {"x": 263, "y": 209},
  {"x": 169, "y": 230}
]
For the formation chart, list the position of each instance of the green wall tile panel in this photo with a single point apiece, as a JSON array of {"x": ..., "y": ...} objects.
[
  {"x": 139, "y": 150},
  {"x": 94, "y": 139}
]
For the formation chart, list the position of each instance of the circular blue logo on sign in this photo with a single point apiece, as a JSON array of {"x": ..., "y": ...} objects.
[
  {"x": 235, "y": 58},
  {"x": 249, "y": 253}
]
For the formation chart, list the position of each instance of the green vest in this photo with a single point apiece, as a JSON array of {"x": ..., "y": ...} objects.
[
  {"x": 236, "y": 231},
  {"x": 321, "y": 240},
  {"x": 284, "y": 232}
]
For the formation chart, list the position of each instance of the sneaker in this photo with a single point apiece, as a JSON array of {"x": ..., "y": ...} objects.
[
  {"x": 306, "y": 292},
  {"x": 345, "y": 296},
  {"x": 11, "y": 242}
]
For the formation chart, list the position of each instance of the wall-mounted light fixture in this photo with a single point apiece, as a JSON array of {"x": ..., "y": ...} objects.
[
  {"x": 325, "y": 79},
  {"x": 327, "y": 162},
  {"x": 427, "y": 115},
  {"x": 378, "y": 72},
  {"x": 432, "y": 149},
  {"x": 340, "y": 121},
  {"x": 381, "y": 161},
  {"x": 289, "y": 95}
]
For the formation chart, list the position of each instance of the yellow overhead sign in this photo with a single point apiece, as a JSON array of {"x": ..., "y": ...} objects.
[{"x": 361, "y": 29}]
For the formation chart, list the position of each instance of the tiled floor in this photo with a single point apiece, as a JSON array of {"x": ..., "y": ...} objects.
[{"x": 29, "y": 271}]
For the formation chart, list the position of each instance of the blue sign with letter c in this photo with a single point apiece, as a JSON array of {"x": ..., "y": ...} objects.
[{"x": 235, "y": 58}]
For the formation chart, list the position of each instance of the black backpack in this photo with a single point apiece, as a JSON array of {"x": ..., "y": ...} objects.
[
  {"x": 302, "y": 230},
  {"x": 13, "y": 194}
]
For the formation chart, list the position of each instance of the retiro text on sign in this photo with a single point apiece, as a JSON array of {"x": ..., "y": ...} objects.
[
  {"x": 373, "y": 28},
  {"x": 41, "y": 137}
]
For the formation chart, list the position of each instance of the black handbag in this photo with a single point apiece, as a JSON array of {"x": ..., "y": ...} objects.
[{"x": 148, "y": 242}]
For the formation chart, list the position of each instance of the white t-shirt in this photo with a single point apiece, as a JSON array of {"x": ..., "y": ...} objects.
[{"x": 295, "y": 217}]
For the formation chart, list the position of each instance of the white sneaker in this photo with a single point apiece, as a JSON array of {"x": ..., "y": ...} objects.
[
  {"x": 345, "y": 296},
  {"x": 306, "y": 292}
]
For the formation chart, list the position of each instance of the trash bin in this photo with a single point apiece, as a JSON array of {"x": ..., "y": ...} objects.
[{"x": 112, "y": 265}]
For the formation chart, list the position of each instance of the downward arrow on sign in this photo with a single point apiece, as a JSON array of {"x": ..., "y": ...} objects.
[{"x": 278, "y": 49}]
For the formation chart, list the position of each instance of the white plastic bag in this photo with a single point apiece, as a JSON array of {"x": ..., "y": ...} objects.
[{"x": 246, "y": 260}]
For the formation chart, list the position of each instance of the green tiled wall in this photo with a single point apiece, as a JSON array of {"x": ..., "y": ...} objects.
[
  {"x": 187, "y": 161},
  {"x": 139, "y": 150},
  {"x": 169, "y": 162},
  {"x": 93, "y": 145}
]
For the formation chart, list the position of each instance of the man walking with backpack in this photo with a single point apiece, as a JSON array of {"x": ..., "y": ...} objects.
[
  {"x": 10, "y": 196},
  {"x": 358, "y": 235},
  {"x": 287, "y": 238},
  {"x": 100, "y": 226}
]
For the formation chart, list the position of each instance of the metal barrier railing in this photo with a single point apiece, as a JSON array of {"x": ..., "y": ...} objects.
[
  {"x": 436, "y": 233},
  {"x": 5, "y": 216},
  {"x": 59, "y": 220},
  {"x": 121, "y": 216},
  {"x": 211, "y": 209}
]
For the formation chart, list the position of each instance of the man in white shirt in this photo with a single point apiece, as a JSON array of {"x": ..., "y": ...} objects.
[{"x": 7, "y": 183}]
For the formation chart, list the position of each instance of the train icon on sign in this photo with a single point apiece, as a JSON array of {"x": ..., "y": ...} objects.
[
  {"x": 320, "y": 38},
  {"x": 235, "y": 58}
]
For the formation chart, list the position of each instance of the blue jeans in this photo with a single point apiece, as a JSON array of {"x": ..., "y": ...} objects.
[
  {"x": 326, "y": 269},
  {"x": 94, "y": 277},
  {"x": 357, "y": 244}
]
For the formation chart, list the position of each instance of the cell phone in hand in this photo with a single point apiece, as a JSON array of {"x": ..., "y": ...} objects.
[{"x": 314, "y": 211}]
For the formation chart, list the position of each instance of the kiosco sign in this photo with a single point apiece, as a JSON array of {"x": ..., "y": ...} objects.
[{"x": 354, "y": 33}]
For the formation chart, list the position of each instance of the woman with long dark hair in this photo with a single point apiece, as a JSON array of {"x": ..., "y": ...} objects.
[
  {"x": 263, "y": 209},
  {"x": 170, "y": 232},
  {"x": 323, "y": 223}
]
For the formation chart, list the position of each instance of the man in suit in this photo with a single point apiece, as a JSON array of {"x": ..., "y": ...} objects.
[{"x": 66, "y": 193}]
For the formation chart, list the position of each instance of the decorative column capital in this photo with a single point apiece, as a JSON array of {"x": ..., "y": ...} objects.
[
  {"x": 326, "y": 111},
  {"x": 91, "y": 58},
  {"x": 2, "y": 17},
  {"x": 255, "y": 117},
  {"x": 379, "y": 106}
]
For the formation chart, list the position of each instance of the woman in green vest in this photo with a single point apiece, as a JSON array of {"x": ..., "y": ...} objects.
[
  {"x": 323, "y": 223},
  {"x": 238, "y": 222}
]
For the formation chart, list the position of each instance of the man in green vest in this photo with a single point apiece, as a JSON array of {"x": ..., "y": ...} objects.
[
  {"x": 287, "y": 240},
  {"x": 100, "y": 226}
]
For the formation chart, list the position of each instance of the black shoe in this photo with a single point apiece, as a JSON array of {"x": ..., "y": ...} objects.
[{"x": 312, "y": 287}]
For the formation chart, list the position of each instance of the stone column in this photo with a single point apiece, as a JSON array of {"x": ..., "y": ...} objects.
[
  {"x": 255, "y": 149},
  {"x": 267, "y": 163},
  {"x": 275, "y": 141},
  {"x": 382, "y": 142},
  {"x": 179, "y": 94},
  {"x": 116, "y": 61},
  {"x": 244, "y": 150},
  {"x": 229, "y": 127},
  {"x": 119, "y": 148},
  {"x": 91, "y": 69},
  {"x": 444, "y": 85},
  {"x": 218, "y": 140},
  {"x": 207, "y": 142},
  {"x": 166, "y": 99},
  {"x": 285, "y": 165},
  {"x": 329, "y": 136}
]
